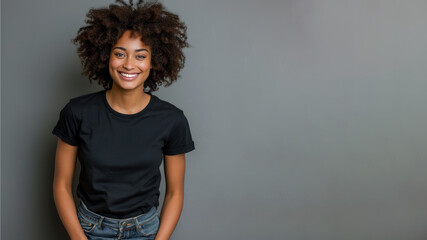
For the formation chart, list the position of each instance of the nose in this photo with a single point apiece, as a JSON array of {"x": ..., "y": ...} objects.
[{"x": 128, "y": 63}]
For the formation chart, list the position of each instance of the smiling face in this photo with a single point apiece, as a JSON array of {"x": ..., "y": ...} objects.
[{"x": 130, "y": 62}]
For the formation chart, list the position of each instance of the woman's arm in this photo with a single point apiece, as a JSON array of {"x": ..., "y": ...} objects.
[
  {"x": 174, "y": 168},
  {"x": 65, "y": 161}
]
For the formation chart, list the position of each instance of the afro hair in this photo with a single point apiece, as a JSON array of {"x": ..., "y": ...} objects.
[{"x": 161, "y": 30}]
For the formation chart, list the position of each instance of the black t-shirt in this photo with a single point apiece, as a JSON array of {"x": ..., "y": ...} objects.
[{"x": 120, "y": 154}]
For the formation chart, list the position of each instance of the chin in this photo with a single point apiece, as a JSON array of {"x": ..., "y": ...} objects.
[{"x": 129, "y": 86}]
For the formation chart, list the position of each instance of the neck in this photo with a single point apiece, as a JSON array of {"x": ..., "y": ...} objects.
[{"x": 127, "y": 101}]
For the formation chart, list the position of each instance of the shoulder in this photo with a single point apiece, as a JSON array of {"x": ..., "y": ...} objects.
[
  {"x": 86, "y": 98},
  {"x": 166, "y": 107},
  {"x": 81, "y": 103}
]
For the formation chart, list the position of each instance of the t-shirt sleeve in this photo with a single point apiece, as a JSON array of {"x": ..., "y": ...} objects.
[
  {"x": 180, "y": 140},
  {"x": 67, "y": 126}
]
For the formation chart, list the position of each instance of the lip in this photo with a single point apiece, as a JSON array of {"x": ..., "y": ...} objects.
[{"x": 128, "y": 78}]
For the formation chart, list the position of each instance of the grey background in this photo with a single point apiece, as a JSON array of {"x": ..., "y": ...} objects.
[{"x": 308, "y": 117}]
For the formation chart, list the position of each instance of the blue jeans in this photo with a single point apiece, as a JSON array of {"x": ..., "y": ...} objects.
[{"x": 141, "y": 227}]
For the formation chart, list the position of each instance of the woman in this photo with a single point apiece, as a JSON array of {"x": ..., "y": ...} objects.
[{"x": 122, "y": 134}]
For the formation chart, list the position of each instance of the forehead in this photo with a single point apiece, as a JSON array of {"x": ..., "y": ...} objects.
[{"x": 131, "y": 40}]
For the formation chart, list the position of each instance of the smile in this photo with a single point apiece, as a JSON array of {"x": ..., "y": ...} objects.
[{"x": 129, "y": 75}]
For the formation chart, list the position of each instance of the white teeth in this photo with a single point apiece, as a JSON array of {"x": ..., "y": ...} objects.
[{"x": 128, "y": 75}]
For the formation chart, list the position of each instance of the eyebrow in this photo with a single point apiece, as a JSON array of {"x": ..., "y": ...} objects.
[{"x": 137, "y": 50}]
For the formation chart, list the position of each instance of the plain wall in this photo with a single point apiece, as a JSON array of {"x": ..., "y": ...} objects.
[{"x": 309, "y": 117}]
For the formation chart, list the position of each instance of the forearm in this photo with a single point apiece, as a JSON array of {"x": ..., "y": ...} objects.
[
  {"x": 67, "y": 212},
  {"x": 169, "y": 216}
]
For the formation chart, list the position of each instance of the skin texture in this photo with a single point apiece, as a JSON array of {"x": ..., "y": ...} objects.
[
  {"x": 65, "y": 161},
  {"x": 174, "y": 168},
  {"x": 126, "y": 97},
  {"x": 129, "y": 55}
]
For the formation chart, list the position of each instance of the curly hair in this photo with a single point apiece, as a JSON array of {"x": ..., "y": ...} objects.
[{"x": 161, "y": 30}]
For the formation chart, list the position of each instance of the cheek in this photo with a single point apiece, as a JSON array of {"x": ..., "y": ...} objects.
[
  {"x": 114, "y": 64},
  {"x": 146, "y": 65}
]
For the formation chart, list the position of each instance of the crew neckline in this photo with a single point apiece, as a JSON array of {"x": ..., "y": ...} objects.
[{"x": 123, "y": 115}]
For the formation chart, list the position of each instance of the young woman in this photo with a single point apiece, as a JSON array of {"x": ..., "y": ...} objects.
[{"x": 122, "y": 134}]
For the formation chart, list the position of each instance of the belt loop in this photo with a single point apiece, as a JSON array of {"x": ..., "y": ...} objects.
[
  {"x": 137, "y": 224},
  {"x": 100, "y": 222}
]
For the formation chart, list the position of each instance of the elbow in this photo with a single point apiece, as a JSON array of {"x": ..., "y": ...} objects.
[
  {"x": 60, "y": 187},
  {"x": 174, "y": 194}
]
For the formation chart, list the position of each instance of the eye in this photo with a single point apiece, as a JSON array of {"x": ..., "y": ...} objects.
[
  {"x": 140, "y": 57},
  {"x": 118, "y": 54}
]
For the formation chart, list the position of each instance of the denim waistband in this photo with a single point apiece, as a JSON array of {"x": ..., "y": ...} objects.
[{"x": 114, "y": 222}]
